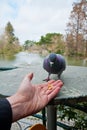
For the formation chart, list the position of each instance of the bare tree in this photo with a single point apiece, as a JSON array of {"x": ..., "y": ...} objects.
[{"x": 77, "y": 28}]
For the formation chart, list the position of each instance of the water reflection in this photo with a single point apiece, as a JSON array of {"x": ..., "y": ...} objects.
[
  {"x": 6, "y": 60},
  {"x": 25, "y": 58},
  {"x": 21, "y": 59},
  {"x": 76, "y": 61},
  {"x": 7, "y": 57}
]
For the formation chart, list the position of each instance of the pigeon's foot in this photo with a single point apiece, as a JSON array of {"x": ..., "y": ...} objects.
[
  {"x": 46, "y": 79},
  {"x": 59, "y": 76}
]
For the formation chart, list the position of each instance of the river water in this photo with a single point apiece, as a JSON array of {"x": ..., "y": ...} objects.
[
  {"x": 21, "y": 59},
  {"x": 25, "y": 59}
]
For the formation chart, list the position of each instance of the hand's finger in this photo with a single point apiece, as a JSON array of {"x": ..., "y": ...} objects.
[
  {"x": 44, "y": 86},
  {"x": 30, "y": 76},
  {"x": 52, "y": 87},
  {"x": 57, "y": 82},
  {"x": 51, "y": 81},
  {"x": 53, "y": 93}
]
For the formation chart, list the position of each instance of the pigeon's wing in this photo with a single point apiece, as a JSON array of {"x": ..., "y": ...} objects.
[
  {"x": 61, "y": 61},
  {"x": 46, "y": 65}
]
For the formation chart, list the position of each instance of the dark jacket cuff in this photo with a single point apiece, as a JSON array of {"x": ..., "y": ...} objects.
[{"x": 5, "y": 114}]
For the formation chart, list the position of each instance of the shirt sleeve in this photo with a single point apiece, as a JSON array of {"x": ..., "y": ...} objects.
[{"x": 5, "y": 114}]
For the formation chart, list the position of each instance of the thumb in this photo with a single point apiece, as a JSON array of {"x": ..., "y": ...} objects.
[{"x": 30, "y": 76}]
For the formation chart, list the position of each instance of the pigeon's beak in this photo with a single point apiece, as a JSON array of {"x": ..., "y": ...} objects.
[{"x": 51, "y": 63}]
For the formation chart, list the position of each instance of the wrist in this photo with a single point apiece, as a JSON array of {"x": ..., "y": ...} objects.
[{"x": 16, "y": 106}]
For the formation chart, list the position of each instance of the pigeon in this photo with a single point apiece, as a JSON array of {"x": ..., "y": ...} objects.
[{"x": 54, "y": 64}]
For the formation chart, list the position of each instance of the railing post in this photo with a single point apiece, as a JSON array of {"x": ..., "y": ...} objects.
[
  {"x": 44, "y": 116},
  {"x": 51, "y": 117}
]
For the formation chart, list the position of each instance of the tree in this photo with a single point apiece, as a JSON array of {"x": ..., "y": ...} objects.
[
  {"x": 9, "y": 43},
  {"x": 9, "y": 29},
  {"x": 45, "y": 39},
  {"x": 77, "y": 28},
  {"x": 9, "y": 33},
  {"x": 27, "y": 44},
  {"x": 53, "y": 42}
]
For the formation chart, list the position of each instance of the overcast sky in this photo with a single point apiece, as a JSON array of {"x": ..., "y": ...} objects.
[{"x": 33, "y": 18}]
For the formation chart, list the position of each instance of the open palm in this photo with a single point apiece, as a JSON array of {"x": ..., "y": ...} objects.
[{"x": 36, "y": 97}]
